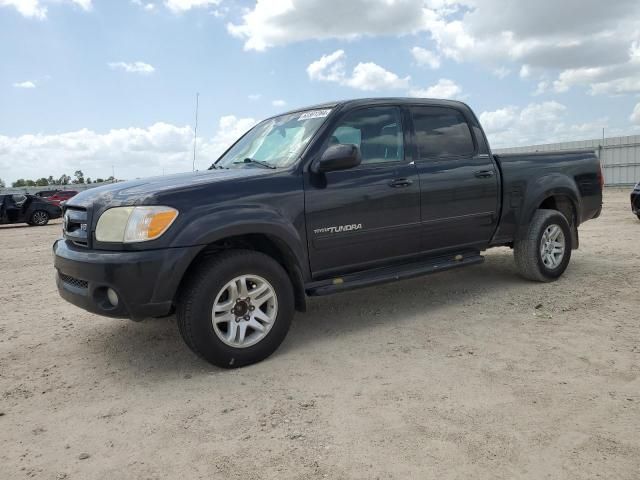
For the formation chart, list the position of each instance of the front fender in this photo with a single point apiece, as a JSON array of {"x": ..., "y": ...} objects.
[{"x": 219, "y": 224}]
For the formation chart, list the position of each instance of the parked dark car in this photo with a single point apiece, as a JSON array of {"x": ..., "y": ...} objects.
[
  {"x": 635, "y": 200},
  {"x": 314, "y": 202},
  {"x": 62, "y": 196},
  {"x": 25, "y": 208}
]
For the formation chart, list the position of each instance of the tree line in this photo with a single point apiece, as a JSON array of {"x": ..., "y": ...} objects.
[{"x": 77, "y": 179}]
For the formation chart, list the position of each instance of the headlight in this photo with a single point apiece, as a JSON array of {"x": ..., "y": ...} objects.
[{"x": 134, "y": 224}]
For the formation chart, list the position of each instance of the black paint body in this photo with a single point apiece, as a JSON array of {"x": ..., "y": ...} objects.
[
  {"x": 408, "y": 210},
  {"x": 635, "y": 200},
  {"x": 10, "y": 212}
]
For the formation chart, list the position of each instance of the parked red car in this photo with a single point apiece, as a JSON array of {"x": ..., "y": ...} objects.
[{"x": 61, "y": 196}]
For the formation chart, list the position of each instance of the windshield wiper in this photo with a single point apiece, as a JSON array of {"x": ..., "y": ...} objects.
[
  {"x": 217, "y": 167},
  {"x": 257, "y": 162}
]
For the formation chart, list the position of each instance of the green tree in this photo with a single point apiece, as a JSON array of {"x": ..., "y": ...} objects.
[
  {"x": 64, "y": 179},
  {"x": 42, "y": 182},
  {"x": 88, "y": 179},
  {"x": 2, "y": 184},
  {"x": 21, "y": 182},
  {"x": 99, "y": 180},
  {"x": 79, "y": 176},
  {"x": 51, "y": 180}
]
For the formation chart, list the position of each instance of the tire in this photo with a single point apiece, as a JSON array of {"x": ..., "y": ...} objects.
[
  {"x": 212, "y": 284},
  {"x": 538, "y": 258},
  {"x": 39, "y": 218}
]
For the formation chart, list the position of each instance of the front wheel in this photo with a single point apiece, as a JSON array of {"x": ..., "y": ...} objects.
[
  {"x": 544, "y": 251},
  {"x": 235, "y": 309},
  {"x": 39, "y": 218}
]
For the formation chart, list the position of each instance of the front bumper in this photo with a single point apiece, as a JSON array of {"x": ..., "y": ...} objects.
[{"x": 146, "y": 282}]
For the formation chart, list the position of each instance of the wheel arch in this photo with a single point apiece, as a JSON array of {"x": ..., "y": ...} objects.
[
  {"x": 554, "y": 192},
  {"x": 268, "y": 243}
]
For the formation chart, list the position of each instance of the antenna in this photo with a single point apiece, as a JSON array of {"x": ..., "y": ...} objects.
[{"x": 195, "y": 135}]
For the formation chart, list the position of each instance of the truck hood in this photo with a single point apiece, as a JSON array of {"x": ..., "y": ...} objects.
[{"x": 138, "y": 192}]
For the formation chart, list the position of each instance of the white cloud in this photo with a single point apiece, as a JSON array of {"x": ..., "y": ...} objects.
[
  {"x": 148, "y": 6},
  {"x": 424, "y": 57},
  {"x": 541, "y": 38},
  {"x": 278, "y": 22},
  {"x": 134, "y": 152},
  {"x": 542, "y": 88},
  {"x": 445, "y": 88},
  {"x": 178, "y": 6},
  {"x": 36, "y": 9},
  {"x": 534, "y": 124},
  {"x": 27, "y": 8},
  {"x": 25, "y": 84},
  {"x": 278, "y": 103},
  {"x": 254, "y": 96},
  {"x": 133, "y": 67},
  {"x": 329, "y": 68},
  {"x": 367, "y": 76},
  {"x": 370, "y": 76},
  {"x": 635, "y": 116},
  {"x": 501, "y": 72}
]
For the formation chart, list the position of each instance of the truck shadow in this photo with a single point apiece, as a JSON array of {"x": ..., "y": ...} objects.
[
  {"x": 156, "y": 346},
  {"x": 397, "y": 303}
]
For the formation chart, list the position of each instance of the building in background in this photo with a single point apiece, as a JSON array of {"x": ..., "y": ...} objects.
[{"x": 619, "y": 156}]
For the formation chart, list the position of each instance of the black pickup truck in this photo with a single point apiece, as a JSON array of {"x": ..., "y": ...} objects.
[{"x": 313, "y": 202}]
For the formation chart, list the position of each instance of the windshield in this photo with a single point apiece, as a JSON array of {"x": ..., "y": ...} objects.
[{"x": 274, "y": 143}]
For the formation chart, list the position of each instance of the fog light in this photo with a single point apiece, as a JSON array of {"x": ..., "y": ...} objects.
[{"x": 112, "y": 296}]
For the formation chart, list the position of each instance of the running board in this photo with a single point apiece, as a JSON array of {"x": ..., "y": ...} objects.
[{"x": 391, "y": 274}]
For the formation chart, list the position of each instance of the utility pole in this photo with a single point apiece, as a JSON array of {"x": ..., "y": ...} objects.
[{"x": 195, "y": 134}]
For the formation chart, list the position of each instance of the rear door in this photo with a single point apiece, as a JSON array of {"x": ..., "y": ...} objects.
[
  {"x": 368, "y": 215},
  {"x": 459, "y": 181}
]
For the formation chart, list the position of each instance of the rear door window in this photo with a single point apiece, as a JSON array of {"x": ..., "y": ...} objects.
[{"x": 441, "y": 132}]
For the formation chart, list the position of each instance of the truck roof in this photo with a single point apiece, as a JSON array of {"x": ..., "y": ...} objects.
[{"x": 357, "y": 102}]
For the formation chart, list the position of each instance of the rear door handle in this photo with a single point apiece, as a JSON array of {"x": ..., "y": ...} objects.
[
  {"x": 400, "y": 182},
  {"x": 484, "y": 174}
]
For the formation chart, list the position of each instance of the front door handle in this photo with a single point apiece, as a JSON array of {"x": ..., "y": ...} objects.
[
  {"x": 400, "y": 183},
  {"x": 484, "y": 174}
]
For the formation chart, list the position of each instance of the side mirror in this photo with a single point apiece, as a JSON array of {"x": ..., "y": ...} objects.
[{"x": 337, "y": 157}]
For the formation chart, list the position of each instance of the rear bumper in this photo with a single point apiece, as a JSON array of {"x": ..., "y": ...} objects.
[{"x": 146, "y": 282}]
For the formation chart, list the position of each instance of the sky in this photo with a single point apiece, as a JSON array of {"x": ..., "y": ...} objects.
[{"x": 110, "y": 85}]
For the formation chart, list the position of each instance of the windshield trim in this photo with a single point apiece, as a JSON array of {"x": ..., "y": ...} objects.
[{"x": 332, "y": 108}]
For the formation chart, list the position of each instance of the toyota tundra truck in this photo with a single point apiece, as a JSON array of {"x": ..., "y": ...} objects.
[{"x": 318, "y": 201}]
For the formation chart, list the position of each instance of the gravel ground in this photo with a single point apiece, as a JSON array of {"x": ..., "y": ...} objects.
[{"x": 472, "y": 373}]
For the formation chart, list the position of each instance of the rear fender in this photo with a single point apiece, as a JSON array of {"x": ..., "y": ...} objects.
[{"x": 543, "y": 188}]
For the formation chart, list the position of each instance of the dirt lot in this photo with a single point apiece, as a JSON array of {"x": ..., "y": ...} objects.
[{"x": 467, "y": 374}]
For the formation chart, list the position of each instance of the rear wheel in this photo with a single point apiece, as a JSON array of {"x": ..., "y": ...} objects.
[
  {"x": 39, "y": 218},
  {"x": 236, "y": 308},
  {"x": 544, "y": 252}
]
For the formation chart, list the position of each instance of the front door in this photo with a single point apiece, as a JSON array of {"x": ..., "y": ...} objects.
[{"x": 368, "y": 215}]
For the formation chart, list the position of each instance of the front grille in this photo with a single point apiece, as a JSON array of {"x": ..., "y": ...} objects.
[
  {"x": 75, "y": 226},
  {"x": 73, "y": 282}
]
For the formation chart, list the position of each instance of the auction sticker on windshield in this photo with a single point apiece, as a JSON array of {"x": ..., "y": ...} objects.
[{"x": 314, "y": 114}]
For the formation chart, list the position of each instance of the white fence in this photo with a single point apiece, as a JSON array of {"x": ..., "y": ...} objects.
[{"x": 619, "y": 156}]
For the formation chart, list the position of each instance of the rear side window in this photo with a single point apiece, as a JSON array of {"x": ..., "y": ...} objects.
[
  {"x": 441, "y": 132},
  {"x": 376, "y": 131}
]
